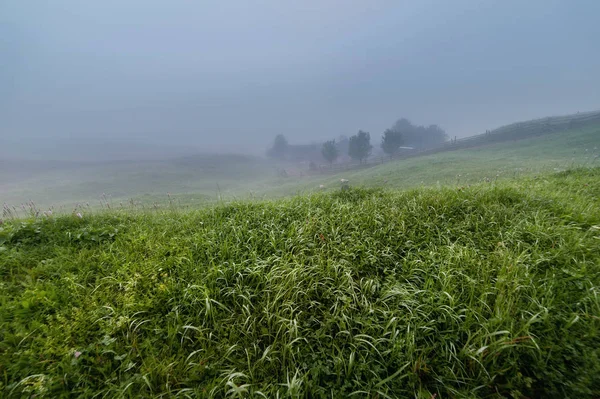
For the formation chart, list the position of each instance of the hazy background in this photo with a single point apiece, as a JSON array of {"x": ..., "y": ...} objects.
[{"x": 93, "y": 80}]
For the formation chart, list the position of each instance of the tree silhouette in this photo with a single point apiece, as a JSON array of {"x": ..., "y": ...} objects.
[
  {"x": 359, "y": 146},
  {"x": 330, "y": 151},
  {"x": 391, "y": 141},
  {"x": 279, "y": 148}
]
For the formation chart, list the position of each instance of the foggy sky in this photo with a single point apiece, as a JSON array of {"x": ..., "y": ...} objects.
[{"x": 230, "y": 75}]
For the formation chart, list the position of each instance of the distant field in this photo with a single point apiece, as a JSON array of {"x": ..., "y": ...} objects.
[
  {"x": 528, "y": 157},
  {"x": 483, "y": 291},
  {"x": 52, "y": 183},
  {"x": 200, "y": 180}
]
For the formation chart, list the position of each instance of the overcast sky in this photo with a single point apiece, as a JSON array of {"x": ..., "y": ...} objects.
[{"x": 221, "y": 75}]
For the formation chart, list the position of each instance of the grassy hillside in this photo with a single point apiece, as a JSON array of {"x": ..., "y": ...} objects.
[
  {"x": 528, "y": 157},
  {"x": 483, "y": 291},
  {"x": 508, "y": 160},
  {"x": 202, "y": 179}
]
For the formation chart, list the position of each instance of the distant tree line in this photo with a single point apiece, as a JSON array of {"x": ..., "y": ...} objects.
[
  {"x": 419, "y": 137},
  {"x": 402, "y": 135}
]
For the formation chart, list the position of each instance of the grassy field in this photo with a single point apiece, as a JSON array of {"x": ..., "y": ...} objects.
[
  {"x": 66, "y": 183},
  {"x": 529, "y": 157},
  {"x": 488, "y": 290},
  {"x": 205, "y": 179}
]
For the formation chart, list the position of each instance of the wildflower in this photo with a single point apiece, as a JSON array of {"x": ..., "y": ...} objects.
[
  {"x": 79, "y": 215},
  {"x": 77, "y": 354}
]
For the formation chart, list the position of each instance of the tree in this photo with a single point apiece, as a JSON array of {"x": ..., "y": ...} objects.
[
  {"x": 420, "y": 136},
  {"x": 329, "y": 151},
  {"x": 279, "y": 148},
  {"x": 436, "y": 134},
  {"x": 391, "y": 141},
  {"x": 359, "y": 146}
]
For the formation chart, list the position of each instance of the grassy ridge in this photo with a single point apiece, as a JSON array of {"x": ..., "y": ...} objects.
[
  {"x": 202, "y": 179},
  {"x": 486, "y": 291},
  {"x": 527, "y": 157}
]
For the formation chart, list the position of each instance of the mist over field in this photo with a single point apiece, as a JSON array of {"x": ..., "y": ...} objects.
[
  {"x": 147, "y": 79},
  {"x": 309, "y": 199}
]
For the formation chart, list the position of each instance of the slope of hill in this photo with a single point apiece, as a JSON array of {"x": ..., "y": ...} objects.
[
  {"x": 527, "y": 157},
  {"x": 202, "y": 179},
  {"x": 484, "y": 291},
  {"x": 527, "y": 129}
]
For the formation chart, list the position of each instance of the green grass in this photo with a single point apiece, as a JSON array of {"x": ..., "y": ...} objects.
[
  {"x": 528, "y": 157},
  {"x": 202, "y": 180},
  {"x": 482, "y": 291}
]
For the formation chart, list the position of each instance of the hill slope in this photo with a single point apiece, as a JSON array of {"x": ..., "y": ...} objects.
[
  {"x": 527, "y": 157},
  {"x": 485, "y": 291},
  {"x": 202, "y": 179}
]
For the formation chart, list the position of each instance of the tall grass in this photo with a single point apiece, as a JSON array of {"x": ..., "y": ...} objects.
[{"x": 487, "y": 291}]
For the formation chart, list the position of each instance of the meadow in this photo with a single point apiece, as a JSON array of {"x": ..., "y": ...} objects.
[
  {"x": 502, "y": 161},
  {"x": 209, "y": 179},
  {"x": 468, "y": 273},
  {"x": 481, "y": 290},
  {"x": 65, "y": 184}
]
